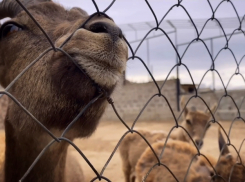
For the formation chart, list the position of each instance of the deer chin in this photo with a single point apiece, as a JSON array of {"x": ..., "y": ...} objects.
[{"x": 102, "y": 72}]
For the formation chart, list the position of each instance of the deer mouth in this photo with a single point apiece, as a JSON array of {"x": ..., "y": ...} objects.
[
  {"x": 105, "y": 73},
  {"x": 104, "y": 63},
  {"x": 101, "y": 57}
]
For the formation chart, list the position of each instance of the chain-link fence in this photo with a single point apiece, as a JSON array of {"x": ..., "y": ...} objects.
[{"x": 135, "y": 57}]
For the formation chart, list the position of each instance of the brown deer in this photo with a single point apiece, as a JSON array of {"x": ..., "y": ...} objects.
[
  {"x": 133, "y": 145},
  {"x": 228, "y": 167},
  {"x": 55, "y": 89},
  {"x": 177, "y": 157}
]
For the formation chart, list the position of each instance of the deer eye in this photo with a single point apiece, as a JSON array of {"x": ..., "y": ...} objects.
[
  {"x": 188, "y": 122},
  {"x": 9, "y": 28}
]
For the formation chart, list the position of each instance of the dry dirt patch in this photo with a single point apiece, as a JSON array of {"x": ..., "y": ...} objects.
[{"x": 100, "y": 145}]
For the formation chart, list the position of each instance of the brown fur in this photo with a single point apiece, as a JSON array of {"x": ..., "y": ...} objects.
[
  {"x": 54, "y": 90},
  {"x": 177, "y": 157},
  {"x": 226, "y": 163},
  {"x": 73, "y": 170},
  {"x": 133, "y": 145}
]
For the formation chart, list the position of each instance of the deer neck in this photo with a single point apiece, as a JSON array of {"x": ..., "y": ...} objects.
[{"x": 22, "y": 148}]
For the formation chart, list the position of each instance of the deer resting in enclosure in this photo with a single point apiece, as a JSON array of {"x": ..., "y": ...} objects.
[
  {"x": 177, "y": 157},
  {"x": 133, "y": 145},
  {"x": 229, "y": 166},
  {"x": 54, "y": 89}
]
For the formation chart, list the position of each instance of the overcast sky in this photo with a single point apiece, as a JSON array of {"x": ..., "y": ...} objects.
[
  {"x": 161, "y": 56},
  {"x": 134, "y": 11}
]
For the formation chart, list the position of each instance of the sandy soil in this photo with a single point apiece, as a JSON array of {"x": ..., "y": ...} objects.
[{"x": 100, "y": 145}]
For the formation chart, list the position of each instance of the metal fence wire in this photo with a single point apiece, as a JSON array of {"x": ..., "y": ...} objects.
[{"x": 100, "y": 175}]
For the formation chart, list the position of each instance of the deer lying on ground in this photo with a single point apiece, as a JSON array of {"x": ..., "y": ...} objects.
[
  {"x": 133, "y": 145},
  {"x": 54, "y": 89},
  {"x": 177, "y": 157},
  {"x": 227, "y": 162}
]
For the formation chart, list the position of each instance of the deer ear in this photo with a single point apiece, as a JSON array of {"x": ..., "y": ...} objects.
[
  {"x": 212, "y": 109},
  {"x": 186, "y": 111},
  {"x": 222, "y": 144}
]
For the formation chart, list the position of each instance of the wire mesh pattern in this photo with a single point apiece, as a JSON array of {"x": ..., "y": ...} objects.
[
  {"x": 135, "y": 57},
  {"x": 182, "y": 24}
]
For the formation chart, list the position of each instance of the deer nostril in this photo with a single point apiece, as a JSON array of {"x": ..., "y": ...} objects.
[
  {"x": 199, "y": 143},
  {"x": 102, "y": 27},
  {"x": 99, "y": 28}
]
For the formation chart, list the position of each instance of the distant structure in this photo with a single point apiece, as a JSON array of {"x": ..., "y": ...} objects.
[
  {"x": 174, "y": 27},
  {"x": 130, "y": 99},
  {"x": 188, "y": 88}
]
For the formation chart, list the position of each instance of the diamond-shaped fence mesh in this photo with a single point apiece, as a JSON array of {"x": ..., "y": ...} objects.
[{"x": 159, "y": 25}]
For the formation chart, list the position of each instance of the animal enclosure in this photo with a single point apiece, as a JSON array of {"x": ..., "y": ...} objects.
[{"x": 155, "y": 105}]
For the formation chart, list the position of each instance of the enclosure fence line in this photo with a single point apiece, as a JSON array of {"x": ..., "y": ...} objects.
[{"x": 99, "y": 175}]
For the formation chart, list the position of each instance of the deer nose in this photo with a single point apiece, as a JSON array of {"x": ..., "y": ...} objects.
[
  {"x": 199, "y": 143},
  {"x": 104, "y": 27}
]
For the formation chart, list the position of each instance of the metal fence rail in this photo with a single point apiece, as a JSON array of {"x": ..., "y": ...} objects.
[{"x": 136, "y": 57}]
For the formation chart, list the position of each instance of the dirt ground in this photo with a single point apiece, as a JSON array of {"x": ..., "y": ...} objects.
[{"x": 100, "y": 145}]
